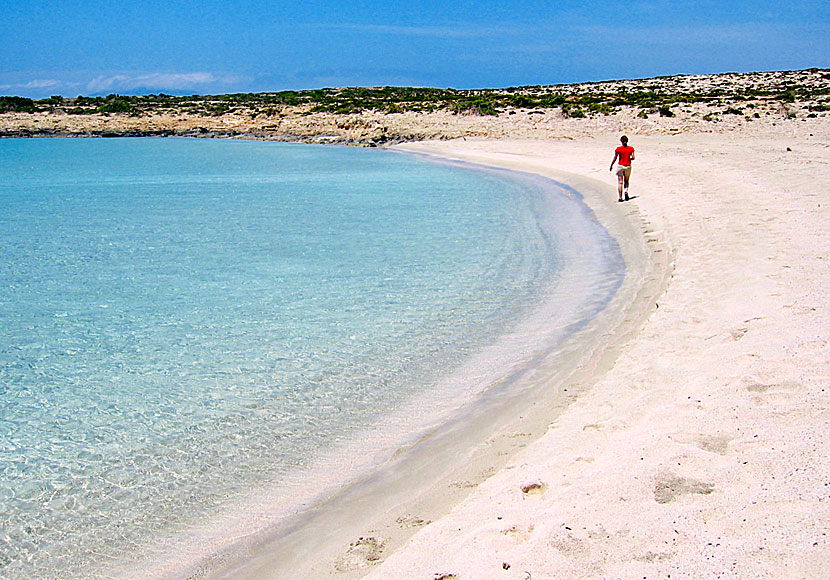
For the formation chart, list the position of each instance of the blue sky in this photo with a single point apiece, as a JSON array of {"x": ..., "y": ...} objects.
[{"x": 88, "y": 47}]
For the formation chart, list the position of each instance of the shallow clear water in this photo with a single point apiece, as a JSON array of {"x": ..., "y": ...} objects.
[{"x": 182, "y": 321}]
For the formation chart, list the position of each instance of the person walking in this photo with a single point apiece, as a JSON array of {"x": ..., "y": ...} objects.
[{"x": 625, "y": 154}]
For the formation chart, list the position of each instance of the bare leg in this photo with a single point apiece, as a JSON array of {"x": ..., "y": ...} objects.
[{"x": 620, "y": 182}]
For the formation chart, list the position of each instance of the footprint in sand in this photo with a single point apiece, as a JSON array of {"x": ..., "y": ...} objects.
[
  {"x": 739, "y": 333},
  {"x": 757, "y": 387},
  {"x": 652, "y": 557},
  {"x": 670, "y": 487},
  {"x": 780, "y": 394},
  {"x": 569, "y": 544},
  {"x": 410, "y": 521},
  {"x": 361, "y": 554},
  {"x": 712, "y": 443},
  {"x": 518, "y": 534}
]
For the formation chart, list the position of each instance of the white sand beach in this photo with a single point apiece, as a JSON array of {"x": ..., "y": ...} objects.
[
  {"x": 703, "y": 451},
  {"x": 692, "y": 441}
]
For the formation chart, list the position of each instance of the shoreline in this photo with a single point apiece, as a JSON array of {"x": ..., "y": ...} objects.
[
  {"x": 694, "y": 442},
  {"x": 699, "y": 447},
  {"x": 203, "y": 553},
  {"x": 423, "y": 481}
]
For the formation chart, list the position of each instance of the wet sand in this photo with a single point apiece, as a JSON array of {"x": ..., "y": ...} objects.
[{"x": 424, "y": 480}]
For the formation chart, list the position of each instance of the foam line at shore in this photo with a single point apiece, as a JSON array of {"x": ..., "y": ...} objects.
[
  {"x": 424, "y": 480},
  {"x": 702, "y": 451}
]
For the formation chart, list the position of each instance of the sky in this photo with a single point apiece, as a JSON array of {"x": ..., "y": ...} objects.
[{"x": 181, "y": 47}]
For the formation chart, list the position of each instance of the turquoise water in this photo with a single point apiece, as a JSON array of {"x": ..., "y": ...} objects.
[{"x": 182, "y": 321}]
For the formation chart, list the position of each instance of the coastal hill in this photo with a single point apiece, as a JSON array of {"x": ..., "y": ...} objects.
[{"x": 373, "y": 116}]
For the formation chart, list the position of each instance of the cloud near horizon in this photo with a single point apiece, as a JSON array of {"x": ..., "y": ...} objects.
[
  {"x": 173, "y": 82},
  {"x": 464, "y": 31},
  {"x": 74, "y": 85},
  {"x": 38, "y": 86}
]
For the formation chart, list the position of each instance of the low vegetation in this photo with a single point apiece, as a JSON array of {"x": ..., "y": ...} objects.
[
  {"x": 657, "y": 96},
  {"x": 377, "y": 115}
]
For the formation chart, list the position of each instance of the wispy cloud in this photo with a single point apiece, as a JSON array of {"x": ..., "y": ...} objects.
[
  {"x": 39, "y": 86},
  {"x": 127, "y": 83},
  {"x": 461, "y": 31},
  {"x": 43, "y": 84},
  {"x": 174, "y": 82}
]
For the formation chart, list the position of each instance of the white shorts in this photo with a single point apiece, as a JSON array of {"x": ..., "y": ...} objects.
[{"x": 624, "y": 170}]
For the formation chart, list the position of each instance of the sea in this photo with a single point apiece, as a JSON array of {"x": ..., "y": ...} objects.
[{"x": 186, "y": 321}]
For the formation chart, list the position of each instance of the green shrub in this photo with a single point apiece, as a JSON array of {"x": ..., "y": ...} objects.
[
  {"x": 348, "y": 109},
  {"x": 523, "y": 102},
  {"x": 573, "y": 113},
  {"x": 600, "y": 108},
  {"x": 218, "y": 110},
  {"x": 53, "y": 100},
  {"x": 551, "y": 101},
  {"x": 16, "y": 105},
  {"x": 115, "y": 106},
  {"x": 478, "y": 106},
  {"x": 787, "y": 96},
  {"x": 91, "y": 101}
]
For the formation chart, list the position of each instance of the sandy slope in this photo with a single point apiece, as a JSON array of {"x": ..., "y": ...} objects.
[{"x": 704, "y": 451}]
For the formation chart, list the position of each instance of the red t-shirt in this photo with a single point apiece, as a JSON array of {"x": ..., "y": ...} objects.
[{"x": 625, "y": 154}]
